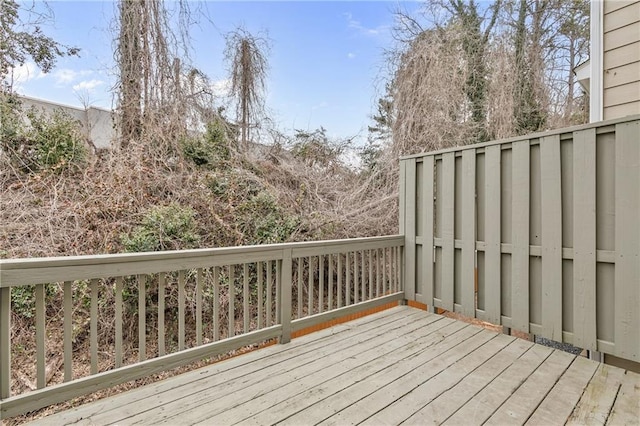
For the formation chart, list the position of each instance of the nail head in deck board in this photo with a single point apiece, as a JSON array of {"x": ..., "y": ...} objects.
[
  {"x": 597, "y": 400},
  {"x": 561, "y": 400},
  {"x": 448, "y": 217},
  {"x": 584, "y": 239},
  {"x": 551, "y": 209},
  {"x": 520, "y": 236},
  {"x": 492, "y": 258},
  {"x": 627, "y": 238}
]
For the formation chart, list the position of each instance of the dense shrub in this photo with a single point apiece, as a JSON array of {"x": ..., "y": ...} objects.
[
  {"x": 263, "y": 221},
  {"x": 208, "y": 150},
  {"x": 169, "y": 227},
  {"x": 41, "y": 141}
]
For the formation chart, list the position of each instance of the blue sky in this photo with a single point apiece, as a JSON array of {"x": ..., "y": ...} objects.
[{"x": 326, "y": 57}]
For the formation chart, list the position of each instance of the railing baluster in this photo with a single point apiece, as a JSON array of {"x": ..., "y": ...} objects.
[
  {"x": 199, "y": 284},
  {"x": 356, "y": 288},
  {"x": 321, "y": 284},
  {"x": 278, "y": 288},
  {"x": 300, "y": 290},
  {"x": 68, "y": 330},
  {"x": 260, "y": 295},
  {"x": 94, "y": 326},
  {"x": 40, "y": 336},
  {"x": 162, "y": 281},
  {"x": 347, "y": 295},
  {"x": 231, "y": 295},
  {"x": 330, "y": 302},
  {"x": 363, "y": 279},
  {"x": 371, "y": 277},
  {"x": 5, "y": 342},
  {"x": 245, "y": 298},
  {"x": 216, "y": 303},
  {"x": 269, "y": 308},
  {"x": 339, "y": 280},
  {"x": 181, "y": 302},
  {"x": 379, "y": 284},
  {"x": 118, "y": 309},
  {"x": 385, "y": 260},
  {"x": 310, "y": 289},
  {"x": 142, "y": 317}
]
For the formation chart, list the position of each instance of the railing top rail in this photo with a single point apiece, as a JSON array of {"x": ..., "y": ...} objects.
[
  {"x": 55, "y": 269},
  {"x": 564, "y": 130}
]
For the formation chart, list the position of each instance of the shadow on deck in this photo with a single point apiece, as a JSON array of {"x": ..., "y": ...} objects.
[{"x": 401, "y": 365}]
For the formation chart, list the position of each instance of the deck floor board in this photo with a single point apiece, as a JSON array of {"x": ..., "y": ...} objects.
[{"x": 399, "y": 365}]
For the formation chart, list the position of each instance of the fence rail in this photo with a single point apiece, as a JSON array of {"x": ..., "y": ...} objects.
[
  {"x": 196, "y": 303},
  {"x": 539, "y": 233}
]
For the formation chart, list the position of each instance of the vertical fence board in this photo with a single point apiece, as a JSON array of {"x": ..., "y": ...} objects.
[
  {"x": 520, "y": 237},
  {"x": 41, "y": 333},
  {"x": 118, "y": 310},
  {"x": 410, "y": 228},
  {"x": 68, "y": 330},
  {"x": 468, "y": 233},
  {"x": 551, "y": 237},
  {"x": 627, "y": 238},
  {"x": 584, "y": 239},
  {"x": 448, "y": 216},
  {"x": 492, "y": 257},
  {"x": 93, "y": 327},
  {"x": 427, "y": 239}
]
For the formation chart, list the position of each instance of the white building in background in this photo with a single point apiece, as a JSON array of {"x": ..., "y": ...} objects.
[{"x": 97, "y": 123}]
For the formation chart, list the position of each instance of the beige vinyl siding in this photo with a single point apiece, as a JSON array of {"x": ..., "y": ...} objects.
[{"x": 621, "y": 59}]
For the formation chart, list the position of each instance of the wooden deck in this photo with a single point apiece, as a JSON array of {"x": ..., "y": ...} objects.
[{"x": 401, "y": 365}]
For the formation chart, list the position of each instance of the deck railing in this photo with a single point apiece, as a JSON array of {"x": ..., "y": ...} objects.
[
  {"x": 539, "y": 233},
  {"x": 218, "y": 299}
]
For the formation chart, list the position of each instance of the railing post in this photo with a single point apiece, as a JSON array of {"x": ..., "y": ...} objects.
[
  {"x": 286, "y": 272},
  {"x": 5, "y": 342}
]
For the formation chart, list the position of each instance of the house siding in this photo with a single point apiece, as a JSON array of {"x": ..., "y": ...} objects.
[{"x": 621, "y": 48}]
